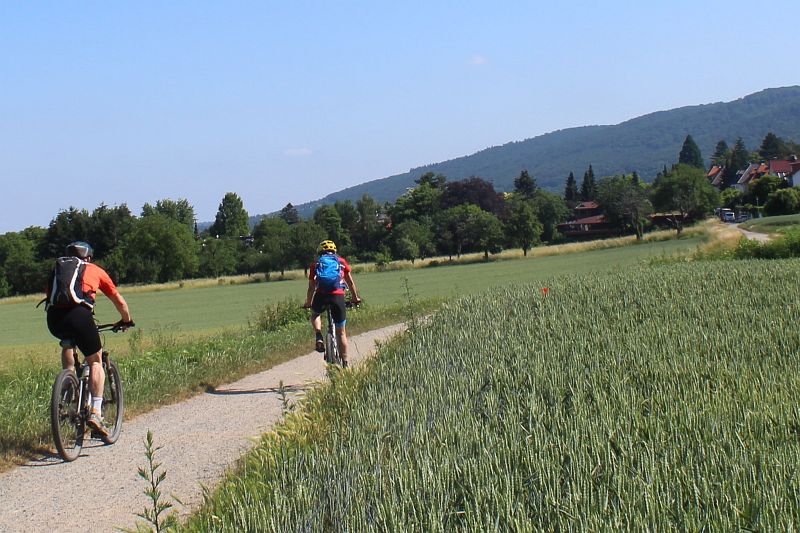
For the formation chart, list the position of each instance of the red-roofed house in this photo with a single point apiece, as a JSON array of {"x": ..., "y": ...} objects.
[
  {"x": 787, "y": 169},
  {"x": 715, "y": 175},
  {"x": 588, "y": 222}
]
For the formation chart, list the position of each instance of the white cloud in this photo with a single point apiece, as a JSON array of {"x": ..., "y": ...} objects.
[
  {"x": 297, "y": 152},
  {"x": 478, "y": 60}
]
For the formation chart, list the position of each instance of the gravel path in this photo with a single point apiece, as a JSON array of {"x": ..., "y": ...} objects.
[
  {"x": 200, "y": 439},
  {"x": 761, "y": 237}
]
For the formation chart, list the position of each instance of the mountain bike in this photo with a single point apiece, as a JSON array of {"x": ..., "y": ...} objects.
[
  {"x": 70, "y": 403},
  {"x": 332, "y": 354}
]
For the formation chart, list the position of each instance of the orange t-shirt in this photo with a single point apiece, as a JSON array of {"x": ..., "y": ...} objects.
[{"x": 95, "y": 278}]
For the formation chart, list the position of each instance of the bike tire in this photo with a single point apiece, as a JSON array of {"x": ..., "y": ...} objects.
[
  {"x": 113, "y": 402},
  {"x": 66, "y": 419},
  {"x": 332, "y": 348}
]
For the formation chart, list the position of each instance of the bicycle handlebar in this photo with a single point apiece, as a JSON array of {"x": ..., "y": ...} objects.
[
  {"x": 348, "y": 304},
  {"x": 116, "y": 326}
]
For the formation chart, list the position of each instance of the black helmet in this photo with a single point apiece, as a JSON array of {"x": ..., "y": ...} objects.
[{"x": 79, "y": 249}]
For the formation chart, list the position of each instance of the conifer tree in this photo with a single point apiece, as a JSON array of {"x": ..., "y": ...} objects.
[
  {"x": 525, "y": 185},
  {"x": 588, "y": 186},
  {"x": 738, "y": 160},
  {"x": 772, "y": 147},
  {"x": 571, "y": 195},
  {"x": 720, "y": 153},
  {"x": 289, "y": 214},
  {"x": 690, "y": 154}
]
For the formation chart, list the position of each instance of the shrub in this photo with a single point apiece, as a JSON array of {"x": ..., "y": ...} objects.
[{"x": 280, "y": 315}]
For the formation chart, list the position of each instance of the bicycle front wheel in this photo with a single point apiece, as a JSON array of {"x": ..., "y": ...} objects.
[
  {"x": 65, "y": 416},
  {"x": 112, "y": 402}
]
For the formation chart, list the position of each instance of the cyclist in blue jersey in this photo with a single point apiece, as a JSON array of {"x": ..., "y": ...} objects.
[{"x": 322, "y": 294}]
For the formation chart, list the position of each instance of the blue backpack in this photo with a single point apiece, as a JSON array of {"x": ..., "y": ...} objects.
[{"x": 329, "y": 273}]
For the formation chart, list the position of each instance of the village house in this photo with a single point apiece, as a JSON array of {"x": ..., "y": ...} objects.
[
  {"x": 786, "y": 169},
  {"x": 588, "y": 222}
]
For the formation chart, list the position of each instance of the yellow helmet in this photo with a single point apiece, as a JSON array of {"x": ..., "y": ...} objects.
[{"x": 327, "y": 246}]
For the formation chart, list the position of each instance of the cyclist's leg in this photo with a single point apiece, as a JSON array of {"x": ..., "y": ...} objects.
[
  {"x": 339, "y": 313},
  {"x": 97, "y": 377},
  {"x": 88, "y": 341},
  {"x": 317, "y": 304},
  {"x": 59, "y": 325},
  {"x": 67, "y": 355}
]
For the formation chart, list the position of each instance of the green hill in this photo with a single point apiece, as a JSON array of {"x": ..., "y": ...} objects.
[{"x": 643, "y": 144}]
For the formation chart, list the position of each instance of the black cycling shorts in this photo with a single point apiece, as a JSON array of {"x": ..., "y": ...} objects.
[
  {"x": 75, "y": 324},
  {"x": 336, "y": 301}
]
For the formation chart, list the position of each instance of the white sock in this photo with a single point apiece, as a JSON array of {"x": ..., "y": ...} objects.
[{"x": 97, "y": 403}]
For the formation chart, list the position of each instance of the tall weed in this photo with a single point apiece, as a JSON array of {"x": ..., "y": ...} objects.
[{"x": 279, "y": 315}]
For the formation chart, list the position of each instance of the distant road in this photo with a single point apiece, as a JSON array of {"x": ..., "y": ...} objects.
[{"x": 761, "y": 237}]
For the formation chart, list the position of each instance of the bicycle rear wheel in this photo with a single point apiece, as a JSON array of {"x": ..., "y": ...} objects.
[
  {"x": 332, "y": 350},
  {"x": 66, "y": 421},
  {"x": 113, "y": 403}
]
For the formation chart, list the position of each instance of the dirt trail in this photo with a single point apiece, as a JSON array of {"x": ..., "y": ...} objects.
[
  {"x": 200, "y": 438},
  {"x": 761, "y": 237}
]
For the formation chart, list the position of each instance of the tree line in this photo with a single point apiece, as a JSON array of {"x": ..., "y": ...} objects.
[{"x": 436, "y": 217}]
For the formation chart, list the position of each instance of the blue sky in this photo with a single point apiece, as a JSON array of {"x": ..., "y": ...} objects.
[{"x": 132, "y": 102}]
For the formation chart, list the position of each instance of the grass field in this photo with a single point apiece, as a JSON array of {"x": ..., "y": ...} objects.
[
  {"x": 646, "y": 399},
  {"x": 209, "y": 309},
  {"x": 200, "y": 334},
  {"x": 777, "y": 224}
]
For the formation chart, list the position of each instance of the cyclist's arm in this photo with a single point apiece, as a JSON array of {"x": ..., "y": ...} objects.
[
  {"x": 348, "y": 278},
  {"x": 108, "y": 288},
  {"x": 122, "y": 306},
  {"x": 310, "y": 293}
]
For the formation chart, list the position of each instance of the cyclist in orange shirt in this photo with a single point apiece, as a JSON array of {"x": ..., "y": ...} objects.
[{"x": 74, "y": 324}]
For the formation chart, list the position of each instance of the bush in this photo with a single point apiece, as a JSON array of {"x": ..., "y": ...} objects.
[
  {"x": 280, "y": 315},
  {"x": 784, "y": 247},
  {"x": 782, "y": 202},
  {"x": 382, "y": 260}
]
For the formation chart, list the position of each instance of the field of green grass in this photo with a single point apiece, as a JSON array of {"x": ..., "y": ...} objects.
[
  {"x": 779, "y": 224},
  {"x": 192, "y": 311},
  {"x": 201, "y": 335},
  {"x": 654, "y": 398}
]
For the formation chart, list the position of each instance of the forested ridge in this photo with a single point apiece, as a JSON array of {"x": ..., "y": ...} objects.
[{"x": 644, "y": 144}]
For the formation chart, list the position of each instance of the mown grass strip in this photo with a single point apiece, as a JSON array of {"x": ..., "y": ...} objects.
[{"x": 650, "y": 399}]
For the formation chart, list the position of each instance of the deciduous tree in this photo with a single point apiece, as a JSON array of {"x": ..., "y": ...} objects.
[
  {"x": 160, "y": 248},
  {"x": 522, "y": 228},
  {"x": 272, "y": 237},
  {"x": 69, "y": 225},
  {"x": 232, "y": 220},
  {"x": 783, "y": 202},
  {"x": 475, "y": 191},
  {"x": 180, "y": 210},
  {"x": 328, "y": 218},
  {"x": 304, "y": 241},
  {"x": 686, "y": 192},
  {"x": 625, "y": 203}
]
